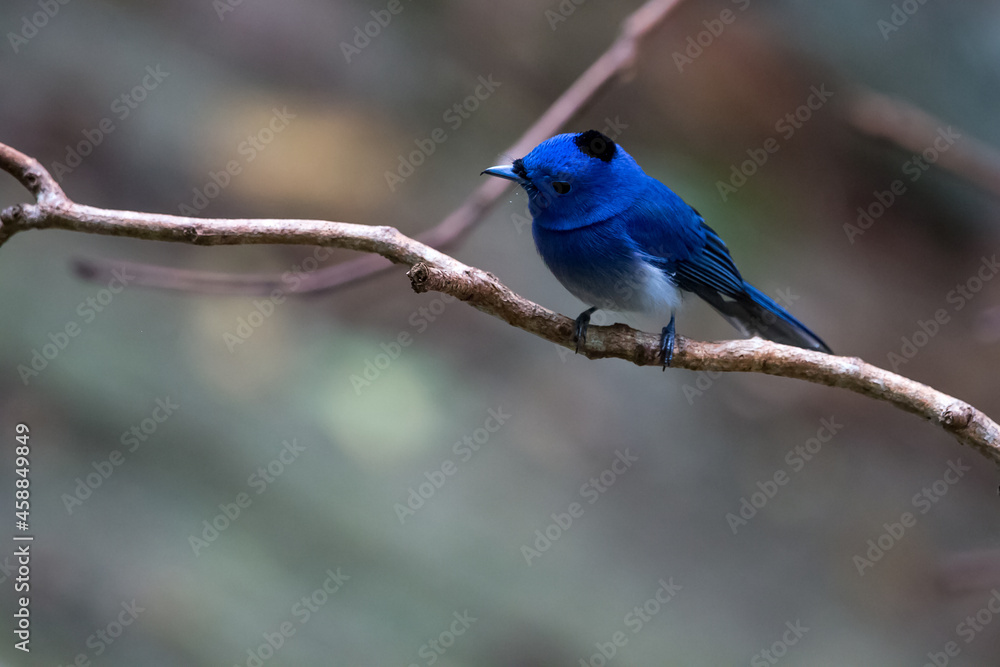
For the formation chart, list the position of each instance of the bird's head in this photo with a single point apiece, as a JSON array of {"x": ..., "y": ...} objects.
[{"x": 575, "y": 180}]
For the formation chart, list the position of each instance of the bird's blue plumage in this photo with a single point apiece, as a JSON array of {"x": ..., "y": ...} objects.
[{"x": 620, "y": 240}]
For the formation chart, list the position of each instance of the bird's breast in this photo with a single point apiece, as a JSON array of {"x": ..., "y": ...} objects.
[{"x": 600, "y": 266}]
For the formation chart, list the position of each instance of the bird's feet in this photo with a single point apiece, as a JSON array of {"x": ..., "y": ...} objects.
[
  {"x": 667, "y": 342},
  {"x": 580, "y": 331}
]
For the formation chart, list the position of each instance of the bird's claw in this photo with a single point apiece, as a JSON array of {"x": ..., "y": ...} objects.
[
  {"x": 668, "y": 337},
  {"x": 580, "y": 330}
]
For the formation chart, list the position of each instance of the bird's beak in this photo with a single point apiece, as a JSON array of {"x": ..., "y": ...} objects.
[{"x": 504, "y": 171}]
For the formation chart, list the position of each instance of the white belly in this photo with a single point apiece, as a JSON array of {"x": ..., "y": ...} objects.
[{"x": 647, "y": 290}]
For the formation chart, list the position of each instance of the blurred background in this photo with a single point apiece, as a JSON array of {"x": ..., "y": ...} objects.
[{"x": 227, "y": 480}]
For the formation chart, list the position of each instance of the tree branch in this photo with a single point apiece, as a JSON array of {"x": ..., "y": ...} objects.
[
  {"x": 910, "y": 127},
  {"x": 617, "y": 62},
  {"x": 432, "y": 270}
]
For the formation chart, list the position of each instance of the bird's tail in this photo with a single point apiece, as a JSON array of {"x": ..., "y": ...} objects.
[{"x": 757, "y": 314}]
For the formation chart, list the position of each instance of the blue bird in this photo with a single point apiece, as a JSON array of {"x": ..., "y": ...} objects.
[{"x": 620, "y": 240}]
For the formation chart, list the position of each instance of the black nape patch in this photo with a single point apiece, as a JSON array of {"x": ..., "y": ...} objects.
[{"x": 595, "y": 144}]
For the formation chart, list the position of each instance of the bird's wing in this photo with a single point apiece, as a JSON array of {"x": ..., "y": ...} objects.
[
  {"x": 674, "y": 237},
  {"x": 712, "y": 267}
]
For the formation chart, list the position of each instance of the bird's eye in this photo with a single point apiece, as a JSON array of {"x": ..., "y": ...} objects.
[{"x": 561, "y": 187}]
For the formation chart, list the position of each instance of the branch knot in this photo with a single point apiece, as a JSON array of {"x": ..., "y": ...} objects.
[
  {"x": 957, "y": 416},
  {"x": 419, "y": 274},
  {"x": 33, "y": 181},
  {"x": 13, "y": 215}
]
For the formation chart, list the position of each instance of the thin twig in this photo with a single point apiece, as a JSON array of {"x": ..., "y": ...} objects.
[
  {"x": 431, "y": 269},
  {"x": 910, "y": 127},
  {"x": 617, "y": 62}
]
